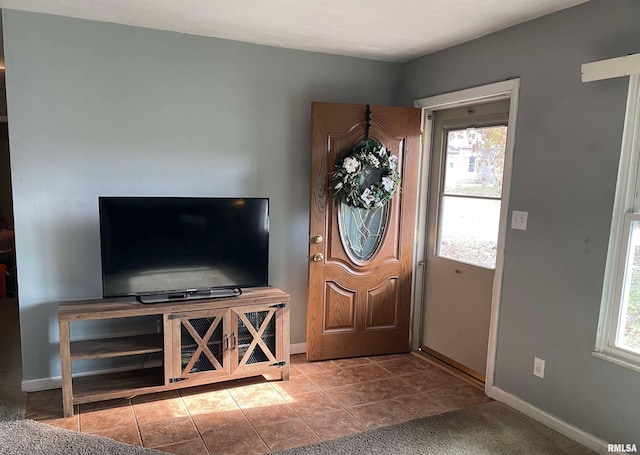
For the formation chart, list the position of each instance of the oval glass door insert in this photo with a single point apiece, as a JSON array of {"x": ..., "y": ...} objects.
[{"x": 362, "y": 230}]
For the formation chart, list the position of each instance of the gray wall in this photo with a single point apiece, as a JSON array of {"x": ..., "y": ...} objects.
[
  {"x": 102, "y": 109},
  {"x": 567, "y": 146}
]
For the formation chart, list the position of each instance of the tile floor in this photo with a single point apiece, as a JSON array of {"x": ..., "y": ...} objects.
[{"x": 321, "y": 401}]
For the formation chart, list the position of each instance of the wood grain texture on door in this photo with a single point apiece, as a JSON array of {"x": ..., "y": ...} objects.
[{"x": 358, "y": 308}]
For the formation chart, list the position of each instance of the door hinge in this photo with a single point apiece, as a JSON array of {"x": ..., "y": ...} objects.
[
  {"x": 278, "y": 305},
  {"x": 278, "y": 364},
  {"x": 177, "y": 316},
  {"x": 174, "y": 380},
  {"x": 421, "y": 136}
]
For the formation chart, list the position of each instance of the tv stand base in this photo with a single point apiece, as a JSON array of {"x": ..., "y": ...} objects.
[{"x": 257, "y": 322}]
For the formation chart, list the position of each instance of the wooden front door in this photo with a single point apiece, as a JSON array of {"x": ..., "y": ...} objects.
[{"x": 360, "y": 304}]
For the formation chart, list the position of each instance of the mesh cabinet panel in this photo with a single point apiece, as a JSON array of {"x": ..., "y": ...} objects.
[
  {"x": 189, "y": 345},
  {"x": 245, "y": 337}
]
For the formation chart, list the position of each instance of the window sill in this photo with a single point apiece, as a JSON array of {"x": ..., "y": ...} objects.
[{"x": 618, "y": 360}]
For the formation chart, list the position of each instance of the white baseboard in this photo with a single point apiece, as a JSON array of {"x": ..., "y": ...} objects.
[
  {"x": 37, "y": 385},
  {"x": 553, "y": 422},
  {"x": 55, "y": 382},
  {"x": 299, "y": 348}
]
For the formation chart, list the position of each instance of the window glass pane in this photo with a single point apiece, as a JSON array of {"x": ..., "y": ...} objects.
[
  {"x": 362, "y": 230},
  {"x": 469, "y": 230},
  {"x": 628, "y": 336},
  {"x": 475, "y": 161}
]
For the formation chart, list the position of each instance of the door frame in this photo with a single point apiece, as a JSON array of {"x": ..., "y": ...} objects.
[{"x": 508, "y": 89}]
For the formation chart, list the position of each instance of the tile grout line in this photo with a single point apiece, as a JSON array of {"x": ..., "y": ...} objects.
[
  {"x": 162, "y": 420},
  {"x": 206, "y": 448},
  {"x": 135, "y": 417},
  {"x": 342, "y": 407},
  {"x": 129, "y": 404},
  {"x": 394, "y": 375},
  {"x": 422, "y": 358},
  {"x": 300, "y": 415},
  {"x": 249, "y": 420}
]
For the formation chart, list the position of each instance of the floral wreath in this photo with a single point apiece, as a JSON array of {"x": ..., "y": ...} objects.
[{"x": 366, "y": 176}]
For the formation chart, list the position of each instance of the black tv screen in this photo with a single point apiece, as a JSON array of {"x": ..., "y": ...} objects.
[{"x": 156, "y": 245}]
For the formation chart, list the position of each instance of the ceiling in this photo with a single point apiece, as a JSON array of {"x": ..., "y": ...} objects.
[{"x": 386, "y": 30}]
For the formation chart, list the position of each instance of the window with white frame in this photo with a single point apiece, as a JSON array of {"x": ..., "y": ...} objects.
[{"x": 619, "y": 326}]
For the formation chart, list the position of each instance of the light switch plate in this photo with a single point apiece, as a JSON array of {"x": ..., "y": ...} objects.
[
  {"x": 519, "y": 220},
  {"x": 538, "y": 367}
]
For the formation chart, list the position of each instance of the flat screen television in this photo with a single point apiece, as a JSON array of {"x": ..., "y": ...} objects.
[{"x": 174, "y": 248}]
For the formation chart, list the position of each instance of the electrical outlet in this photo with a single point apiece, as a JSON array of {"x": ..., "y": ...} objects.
[
  {"x": 538, "y": 367},
  {"x": 519, "y": 220}
]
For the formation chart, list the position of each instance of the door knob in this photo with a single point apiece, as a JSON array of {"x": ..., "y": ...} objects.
[
  {"x": 318, "y": 257},
  {"x": 317, "y": 239}
]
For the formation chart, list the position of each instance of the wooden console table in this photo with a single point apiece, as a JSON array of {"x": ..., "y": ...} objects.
[{"x": 199, "y": 341}]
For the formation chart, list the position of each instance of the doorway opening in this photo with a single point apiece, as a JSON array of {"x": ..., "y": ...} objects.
[
  {"x": 463, "y": 212},
  {"x": 8, "y": 281}
]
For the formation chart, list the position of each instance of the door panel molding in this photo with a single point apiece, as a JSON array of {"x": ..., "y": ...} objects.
[
  {"x": 492, "y": 92},
  {"x": 382, "y": 305},
  {"x": 341, "y": 308}
]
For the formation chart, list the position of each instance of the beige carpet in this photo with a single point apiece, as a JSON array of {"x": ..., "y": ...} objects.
[
  {"x": 488, "y": 429},
  {"x": 26, "y": 437}
]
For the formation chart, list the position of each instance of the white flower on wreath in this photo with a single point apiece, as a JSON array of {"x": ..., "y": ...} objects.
[
  {"x": 382, "y": 152},
  {"x": 350, "y": 164},
  {"x": 375, "y": 162},
  {"x": 393, "y": 161},
  {"x": 388, "y": 184},
  {"x": 367, "y": 196}
]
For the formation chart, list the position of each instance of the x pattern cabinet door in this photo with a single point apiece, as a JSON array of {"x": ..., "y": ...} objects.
[
  {"x": 214, "y": 343},
  {"x": 201, "y": 344},
  {"x": 256, "y": 332}
]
